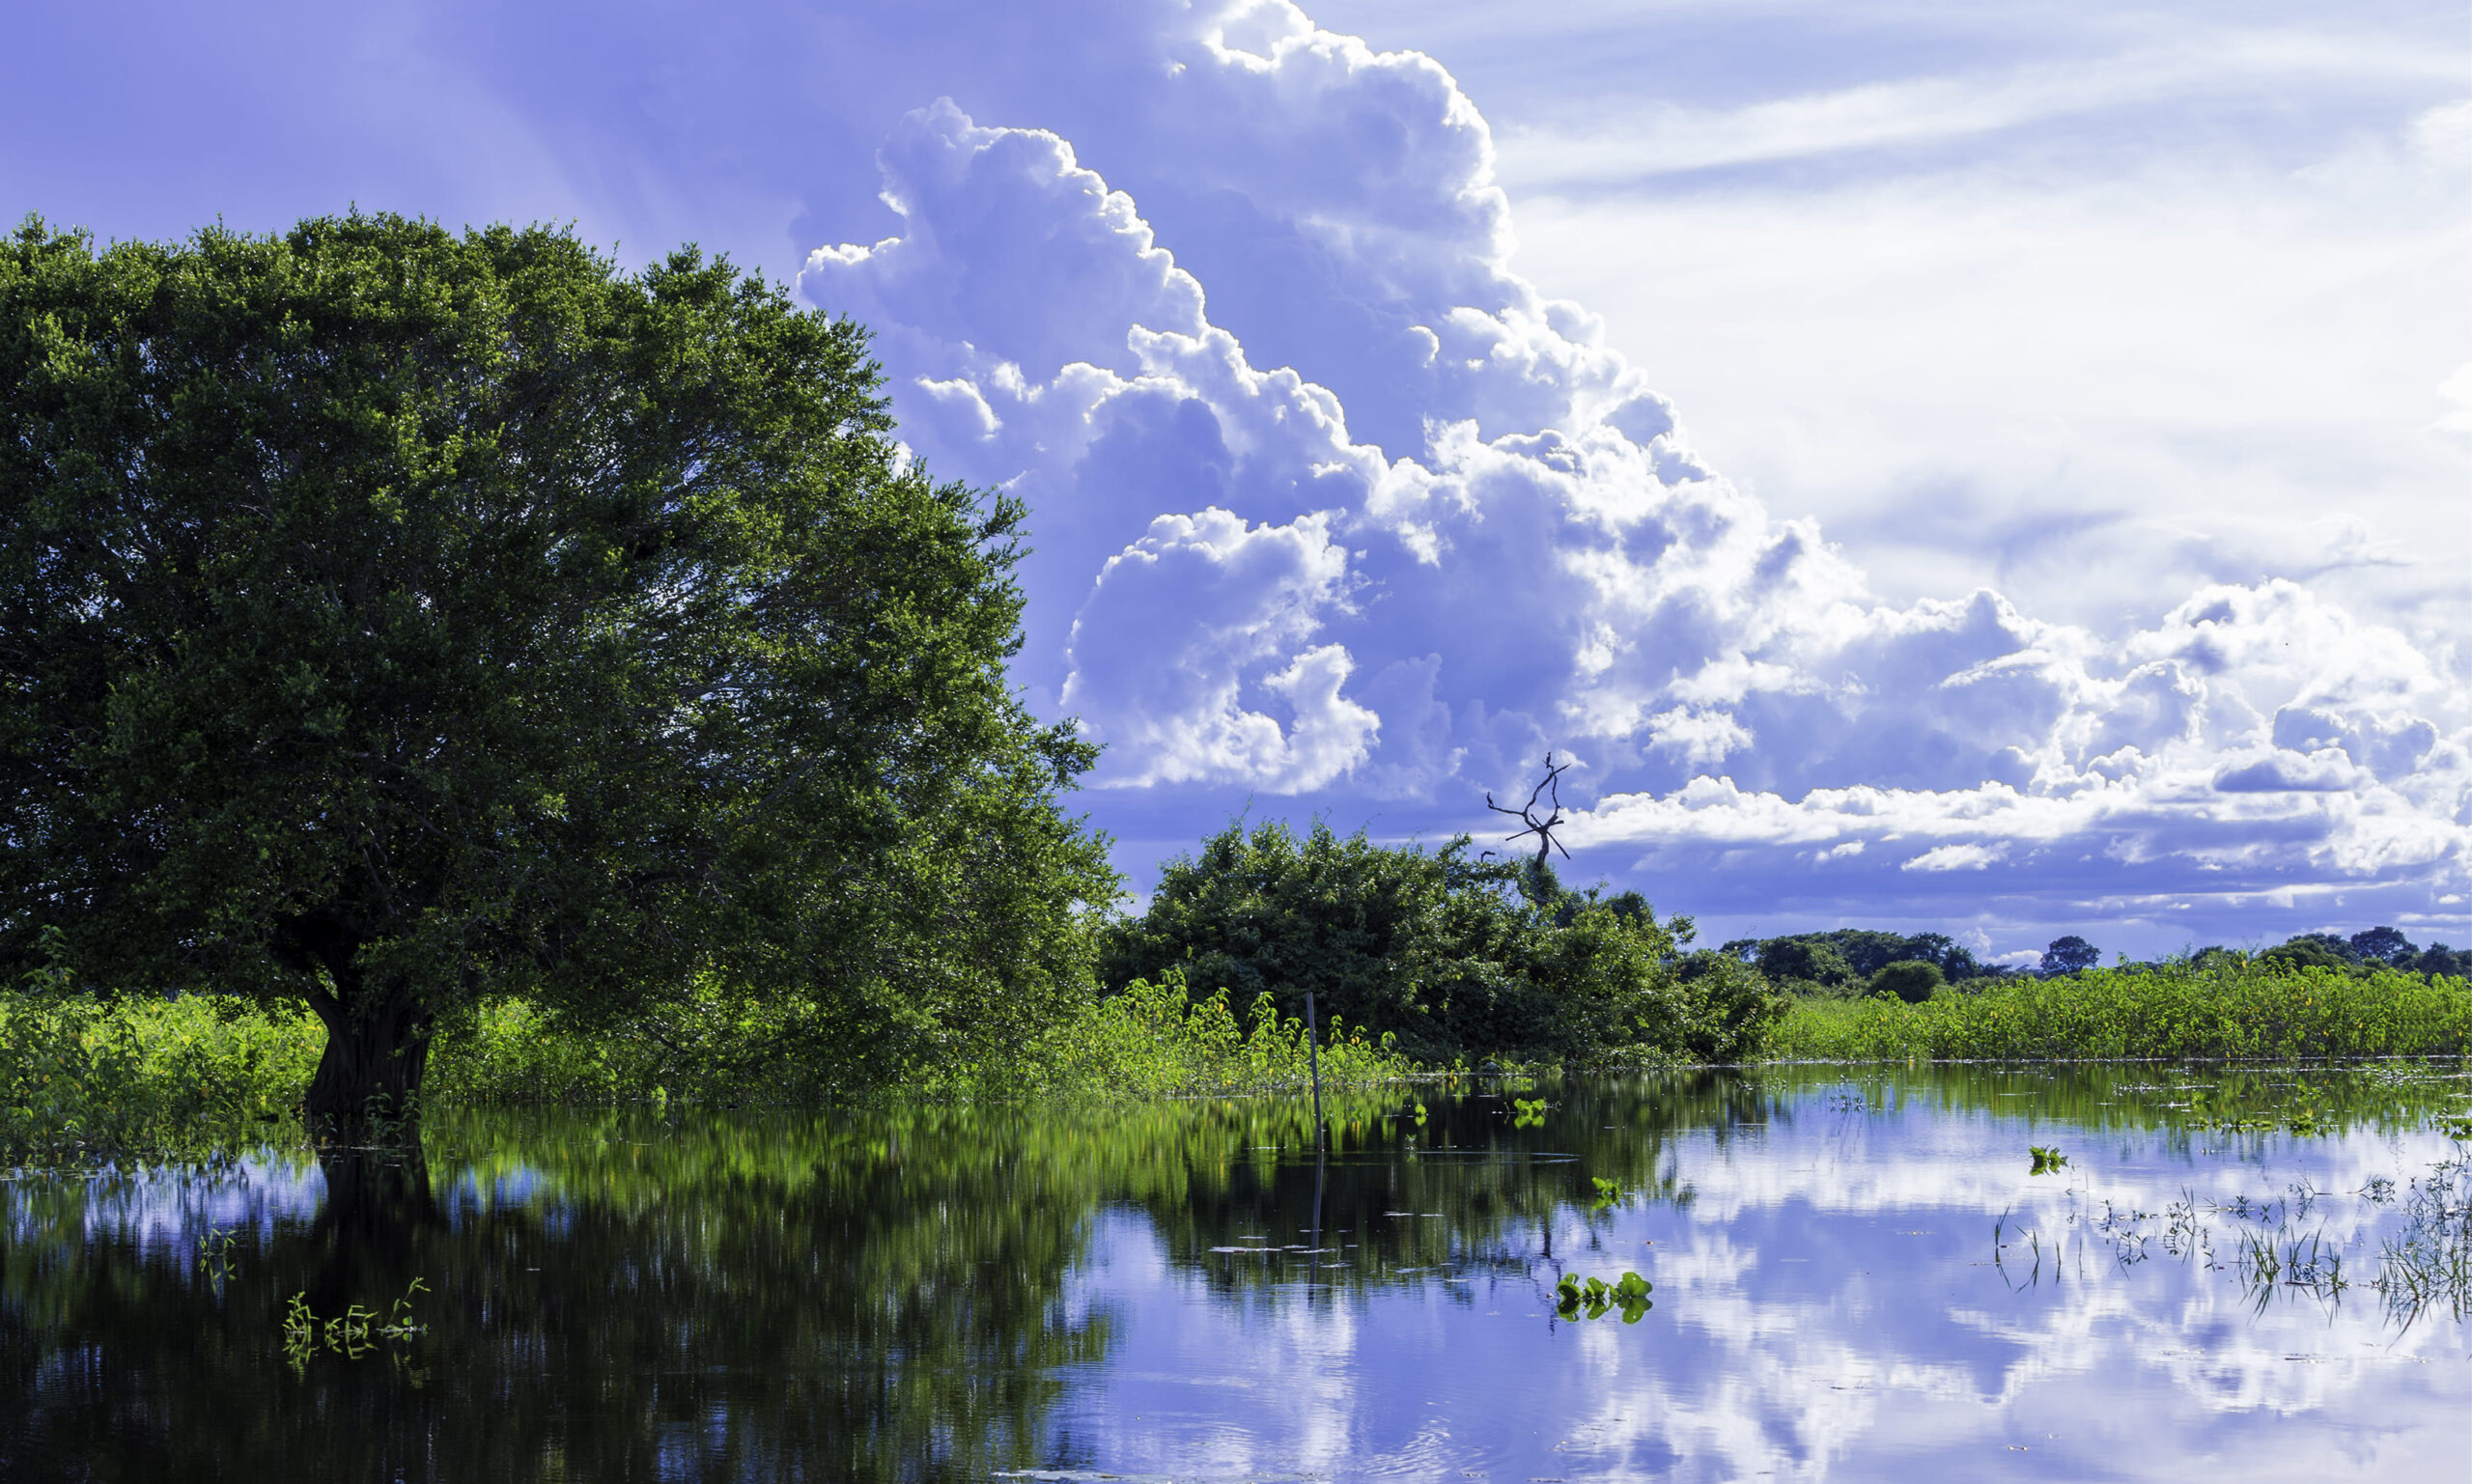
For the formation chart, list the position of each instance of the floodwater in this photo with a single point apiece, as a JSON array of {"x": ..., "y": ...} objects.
[{"x": 2260, "y": 1275}]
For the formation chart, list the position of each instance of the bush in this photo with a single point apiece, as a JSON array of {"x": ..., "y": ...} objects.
[
  {"x": 1910, "y": 980},
  {"x": 1452, "y": 959}
]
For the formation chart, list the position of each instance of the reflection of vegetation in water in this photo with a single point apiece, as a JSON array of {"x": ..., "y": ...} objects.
[
  {"x": 619, "y": 1298},
  {"x": 2197, "y": 1104},
  {"x": 2428, "y": 1267},
  {"x": 858, "y": 1295}
]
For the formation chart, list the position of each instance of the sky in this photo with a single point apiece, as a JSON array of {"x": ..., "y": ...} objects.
[{"x": 2004, "y": 470}]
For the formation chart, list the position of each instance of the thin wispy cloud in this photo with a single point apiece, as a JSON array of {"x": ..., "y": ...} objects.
[{"x": 1655, "y": 138}]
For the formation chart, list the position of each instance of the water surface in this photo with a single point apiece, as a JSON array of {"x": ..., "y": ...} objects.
[{"x": 1855, "y": 1277}]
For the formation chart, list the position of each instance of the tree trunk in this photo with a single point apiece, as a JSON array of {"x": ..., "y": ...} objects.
[{"x": 377, "y": 1054}]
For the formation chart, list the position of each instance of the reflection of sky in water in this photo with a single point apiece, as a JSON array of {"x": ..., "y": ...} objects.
[
  {"x": 1828, "y": 1306},
  {"x": 163, "y": 1210},
  {"x": 168, "y": 1211}
]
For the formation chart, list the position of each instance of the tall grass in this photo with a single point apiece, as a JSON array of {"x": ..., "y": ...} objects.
[
  {"x": 1153, "y": 1040},
  {"x": 2211, "y": 1012}
]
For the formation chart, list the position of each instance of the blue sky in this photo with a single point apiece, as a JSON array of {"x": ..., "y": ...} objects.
[{"x": 2001, "y": 469}]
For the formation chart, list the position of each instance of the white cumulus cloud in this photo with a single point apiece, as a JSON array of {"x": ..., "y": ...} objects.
[{"x": 1432, "y": 526}]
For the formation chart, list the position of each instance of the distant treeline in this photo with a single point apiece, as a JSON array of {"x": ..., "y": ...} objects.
[{"x": 1848, "y": 961}]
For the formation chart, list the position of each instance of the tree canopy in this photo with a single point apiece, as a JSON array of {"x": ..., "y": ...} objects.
[
  {"x": 392, "y": 618},
  {"x": 2071, "y": 955}
]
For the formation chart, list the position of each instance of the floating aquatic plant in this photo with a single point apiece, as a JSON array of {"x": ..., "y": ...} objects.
[
  {"x": 352, "y": 1333},
  {"x": 2046, "y": 1161},
  {"x": 1596, "y": 1296}
]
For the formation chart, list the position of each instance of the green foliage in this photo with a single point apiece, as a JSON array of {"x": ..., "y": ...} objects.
[
  {"x": 1910, "y": 980},
  {"x": 396, "y": 621},
  {"x": 1596, "y": 1296},
  {"x": 2071, "y": 955},
  {"x": 88, "y": 1081},
  {"x": 2222, "y": 1009},
  {"x": 85, "y": 1082},
  {"x": 2307, "y": 952},
  {"x": 1454, "y": 958},
  {"x": 1842, "y": 960},
  {"x": 2047, "y": 1161},
  {"x": 1157, "y": 1039},
  {"x": 1806, "y": 961},
  {"x": 1725, "y": 1011}
]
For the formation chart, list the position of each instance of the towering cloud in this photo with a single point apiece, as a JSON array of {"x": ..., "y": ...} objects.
[{"x": 1332, "y": 504}]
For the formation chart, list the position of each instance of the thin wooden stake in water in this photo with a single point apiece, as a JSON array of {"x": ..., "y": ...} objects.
[{"x": 1313, "y": 1052}]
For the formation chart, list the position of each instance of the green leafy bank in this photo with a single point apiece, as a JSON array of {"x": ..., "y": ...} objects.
[
  {"x": 87, "y": 1081},
  {"x": 2203, "y": 1010}
]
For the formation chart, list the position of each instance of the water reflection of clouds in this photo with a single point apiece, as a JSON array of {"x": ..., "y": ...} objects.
[
  {"x": 1830, "y": 1308},
  {"x": 165, "y": 1212}
]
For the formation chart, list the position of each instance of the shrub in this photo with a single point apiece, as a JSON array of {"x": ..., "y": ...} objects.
[
  {"x": 1910, "y": 980},
  {"x": 1452, "y": 958}
]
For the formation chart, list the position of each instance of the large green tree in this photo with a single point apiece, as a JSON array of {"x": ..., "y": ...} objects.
[{"x": 393, "y": 618}]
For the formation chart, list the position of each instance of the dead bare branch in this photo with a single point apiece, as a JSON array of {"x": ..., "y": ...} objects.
[{"x": 1549, "y": 788}]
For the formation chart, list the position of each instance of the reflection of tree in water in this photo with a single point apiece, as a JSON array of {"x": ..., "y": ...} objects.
[
  {"x": 620, "y": 1299},
  {"x": 1465, "y": 1192}
]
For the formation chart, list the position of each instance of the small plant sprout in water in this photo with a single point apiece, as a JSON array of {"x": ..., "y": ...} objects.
[
  {"x": 218, "y": 1255},
  {"x": 1527, "y": 1112},
  {"x": 1596, "y": 1296},
  {"x": 2047, "y": 1162},
  {"x": 352, "y": 1333}
]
